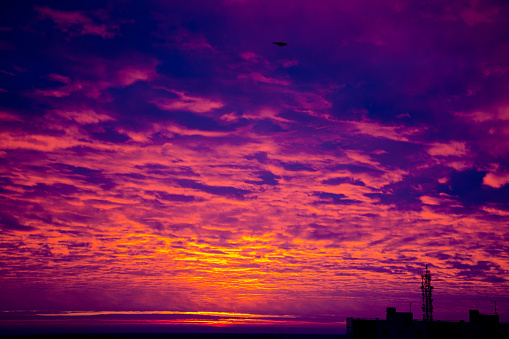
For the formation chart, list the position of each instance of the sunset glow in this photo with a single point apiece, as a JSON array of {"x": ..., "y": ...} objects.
[{"x": 167, "y": 159}]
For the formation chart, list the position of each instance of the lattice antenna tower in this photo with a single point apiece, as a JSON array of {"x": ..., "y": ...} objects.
[{"x": 427, "y": 301}]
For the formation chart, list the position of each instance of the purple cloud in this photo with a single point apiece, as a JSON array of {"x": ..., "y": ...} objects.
[
  {"x": 227, "y": 191},
  {"x": 174, "y": 143}
]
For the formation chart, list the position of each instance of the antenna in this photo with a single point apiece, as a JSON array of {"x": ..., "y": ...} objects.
[
  {"x": 495, "y": 307},
  {"x": 427, "y": 301}
]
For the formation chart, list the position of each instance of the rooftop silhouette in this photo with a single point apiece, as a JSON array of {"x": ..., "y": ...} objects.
[{"x": 403, "y": 325}]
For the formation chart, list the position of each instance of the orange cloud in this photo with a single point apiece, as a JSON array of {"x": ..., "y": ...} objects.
[{"x": 496, "y": 180}]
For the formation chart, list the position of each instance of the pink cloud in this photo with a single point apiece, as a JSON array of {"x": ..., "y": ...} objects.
[
  {"x": 454, "y": 148},
  {"x": 378, "y": 130},
  {"x": 430, "y": 200},
  {"x": 36, "y": 142},
  {"x": 459, "y": 165},
  {"x": 230, "y": 117},
  {"x": 196, "y": 44},
  {"x": 261, "y": 78},
  {"x": 186, "y": 40},
  {"x": 249, "y": 56},
  {"x": 496, "y": 180},
  {"x": 504, "y": 113},
  {"x": 83, "y": 116},
  {"x": 477, "y": 116},
  {"x": 77, "y": 23},
  {"x": 4, "y": 116},
  {"x": 189, "y": 103},
  {"x": 471, "y": 13},
  {"x": 105, "y": 74},
  {"x": 59, "y": 78},
  {"x": 312, "y": 101},
  {"x": 473, "y": 16},
  {"x": 130, "y": 75},
  {"x": 56, "y": 93},
  {"x": 289, "y": 63}
]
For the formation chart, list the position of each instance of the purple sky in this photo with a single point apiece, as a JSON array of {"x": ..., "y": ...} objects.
[{"x": 167, "y": 156}]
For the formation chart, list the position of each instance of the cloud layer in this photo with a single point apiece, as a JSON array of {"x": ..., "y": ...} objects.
[{"x": 168, "y": 156}]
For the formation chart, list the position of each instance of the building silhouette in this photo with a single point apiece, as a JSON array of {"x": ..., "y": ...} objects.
[{"x": 402, "y": 325}]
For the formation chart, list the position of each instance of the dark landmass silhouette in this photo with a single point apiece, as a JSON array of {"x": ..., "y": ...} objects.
[
  {"x": 402, "y": 325},
  {"x": 179, "y": 336}
]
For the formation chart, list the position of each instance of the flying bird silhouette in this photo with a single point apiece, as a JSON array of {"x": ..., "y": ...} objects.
[{"x": 280, "y": 43}]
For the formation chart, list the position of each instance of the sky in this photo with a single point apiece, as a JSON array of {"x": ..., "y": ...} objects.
[{"x": 166, "y": 158}]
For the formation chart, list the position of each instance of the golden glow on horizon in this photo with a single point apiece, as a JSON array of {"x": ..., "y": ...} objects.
[
  {"x": 224, "y": 319},
  {"x": 218, "y": 314},
  {"x": 263, "y": 181}
]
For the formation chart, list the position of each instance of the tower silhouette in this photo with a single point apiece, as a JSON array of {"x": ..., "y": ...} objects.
[{"x": 427, "y": 301}]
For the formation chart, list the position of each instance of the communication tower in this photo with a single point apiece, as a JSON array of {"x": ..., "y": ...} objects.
[{"x": 427, "y": 301}]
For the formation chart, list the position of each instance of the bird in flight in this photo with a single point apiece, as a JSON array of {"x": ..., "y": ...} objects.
[{"x": 280, "y": 43}]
